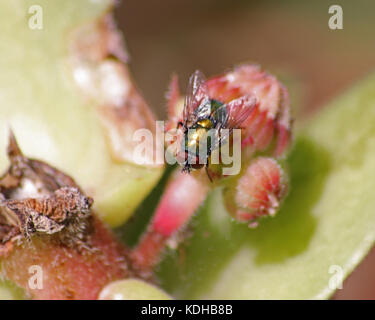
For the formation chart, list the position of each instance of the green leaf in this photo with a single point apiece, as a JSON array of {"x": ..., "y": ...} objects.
[
  {"x": 326, "y": 223},
  {"x": 8, "y": 291}
]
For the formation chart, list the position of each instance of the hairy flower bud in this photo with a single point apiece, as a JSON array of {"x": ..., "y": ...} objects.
[
  {"x": 270, "y": 119},
  {"x": 258, "y": 192}
]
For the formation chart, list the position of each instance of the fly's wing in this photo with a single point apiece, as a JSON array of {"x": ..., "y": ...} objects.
[
  {"x": 196, "y": 93},
  {"x": 204, "y": 109},
  {"x": 217, "y": 137},
  {"x": 239, "y": 110},
  {"x": 230, "y": 116}
]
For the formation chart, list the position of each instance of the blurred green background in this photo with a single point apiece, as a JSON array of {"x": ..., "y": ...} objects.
[{"x": 291, "y": 38}]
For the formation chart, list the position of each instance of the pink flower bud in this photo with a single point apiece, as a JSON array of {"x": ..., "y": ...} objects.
[
  {"x": 258, "y": 192},
  {"x": 270, "y": 119}
]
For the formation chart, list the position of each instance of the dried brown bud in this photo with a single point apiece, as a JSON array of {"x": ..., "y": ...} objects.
[{"x": 46, "y": 220}]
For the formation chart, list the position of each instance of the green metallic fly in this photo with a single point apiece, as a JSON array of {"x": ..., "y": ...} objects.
[{"x": 205, "y": 118}]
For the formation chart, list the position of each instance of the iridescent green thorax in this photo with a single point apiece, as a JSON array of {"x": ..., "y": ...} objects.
[
  {"x": 209, "y": 121},
  {"x": 215, "y": 104}
]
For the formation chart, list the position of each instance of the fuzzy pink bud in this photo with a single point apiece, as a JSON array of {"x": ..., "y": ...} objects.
[{"x": 258, "y": 192}]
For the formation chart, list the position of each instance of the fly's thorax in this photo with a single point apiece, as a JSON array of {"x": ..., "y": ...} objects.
[{"x": 205, "y": 123}]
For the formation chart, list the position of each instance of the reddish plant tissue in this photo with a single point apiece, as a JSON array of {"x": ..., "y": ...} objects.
[
  {"x": 67, "y": 273},
  {"x": 172, "y": 214}
]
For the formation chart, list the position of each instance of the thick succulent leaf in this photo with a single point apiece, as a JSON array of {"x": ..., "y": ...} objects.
[
  {"x": 50, "y": 117},
  {"x": 328, "y": 218}
]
